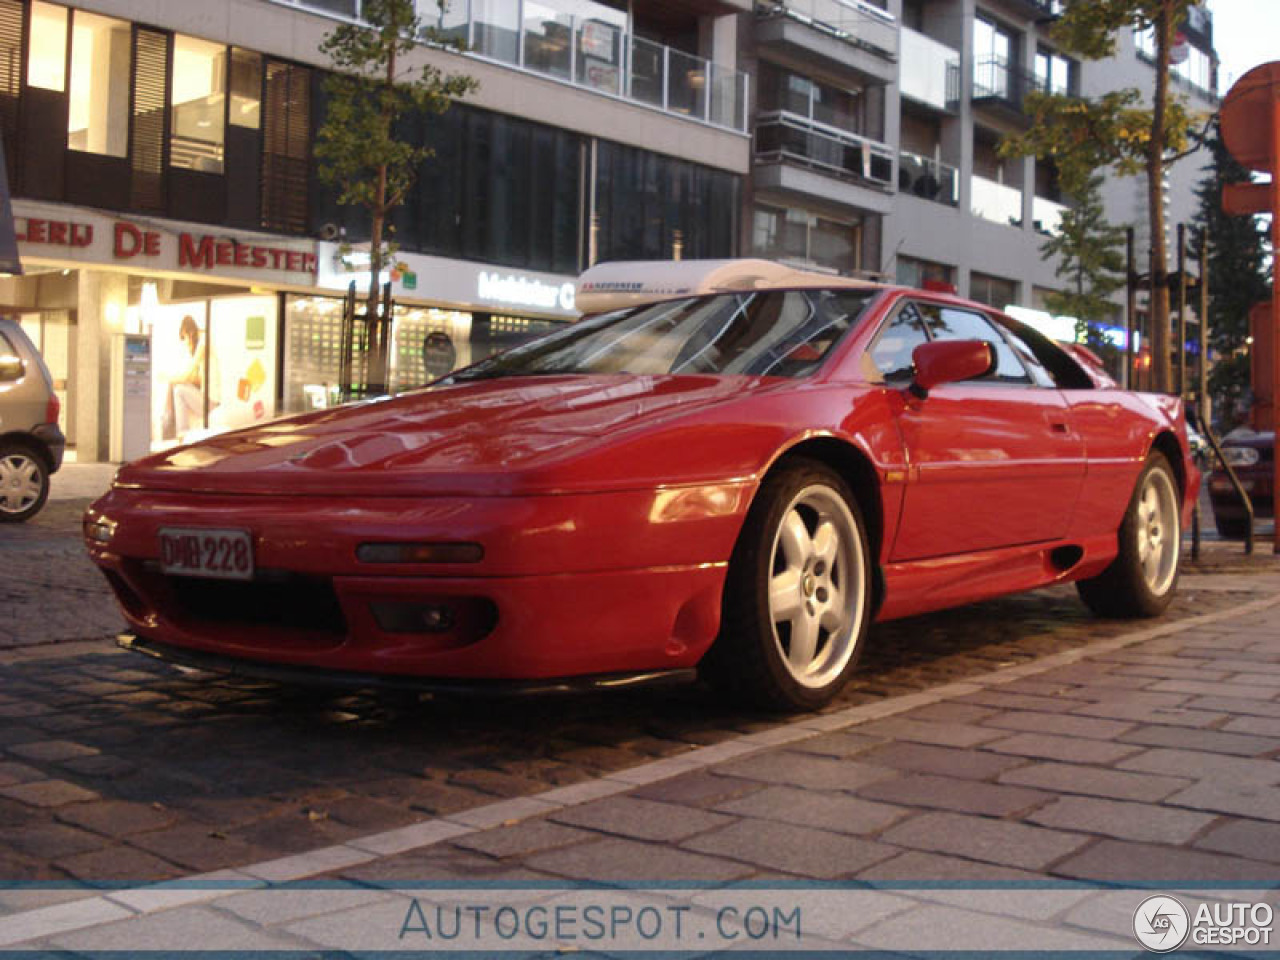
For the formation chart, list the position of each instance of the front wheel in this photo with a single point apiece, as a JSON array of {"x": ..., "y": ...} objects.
[
  {"x": 797, "y": 598},
  {"x": 1141, "y": 579}
]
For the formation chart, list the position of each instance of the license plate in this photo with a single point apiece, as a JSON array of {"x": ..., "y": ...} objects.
[{"x": 223, "y": 554}]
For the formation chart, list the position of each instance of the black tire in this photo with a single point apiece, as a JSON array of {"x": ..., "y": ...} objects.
[
  {"x": 1127, "y": 588},
  {"x": 1232, "y": 528},
  {"x": 24, "y": 482},
  {"x": 750, "y": 658}
]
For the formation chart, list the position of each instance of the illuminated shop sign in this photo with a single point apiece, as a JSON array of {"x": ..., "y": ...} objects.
[{"x": 519, "y": 291}]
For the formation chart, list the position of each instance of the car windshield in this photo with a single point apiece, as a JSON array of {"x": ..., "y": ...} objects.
[{"x": 782, "y": 333}]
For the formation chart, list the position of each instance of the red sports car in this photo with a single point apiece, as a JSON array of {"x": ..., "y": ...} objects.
[{"x": 727, "y": 466}]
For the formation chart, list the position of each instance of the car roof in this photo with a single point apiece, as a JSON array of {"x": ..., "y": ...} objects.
[{"x": 633, "y": 283}]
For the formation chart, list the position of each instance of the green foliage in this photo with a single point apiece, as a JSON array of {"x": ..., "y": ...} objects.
[
  {"x": 1089, "y": 251},
  {"x": 1238, "y": 258},
  {"x": 357, "y": 146}
]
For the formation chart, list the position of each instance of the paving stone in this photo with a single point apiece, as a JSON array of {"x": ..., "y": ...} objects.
[
  {"x": 286, "y": 906},
  {"x": 945, "y": 761},
  {"x": 11, "y": 773},
  {"x": 523, "y": 839},
  {"x": 951, "y": 793},
  {"x": 1222, "y": 688},
  {"x": 1067, "y": 749},
  {"x": 1242, "y": 799},
  {"x": 1117, "y": 861},
  {"x": 1066, "y": 725},
  {"x": 1005, "y": 699},
  {"x": 118, "y": 864},
  {"x": 49, "y": 841},
  {"x": 1095, "y": 781},
  {"x": 807, "y": 808},
  {"x": 48, "y": 793},
  {"x": 1257, "y": 726},
  {"x": 1142, "y": 822},
  {"x": 1251, "y": 839},
  {"x": 1205, "y": 670},
  {"x": 365, "y": 813},
  {"x": 175, "y": 931},
  {"x": 931, "y": 867},
  {"x": 805, "y": 770},
  {"x": 951, "y": 712},
  {"x": 841, "y": 744},
  {"x": 932, "y": 929},
  {"x": 1235, "y": 706},
  {"x": 51, "y": 751},
  {"x": 818, "y": 854},
  {"x": 920, "y": 731},
  {"x": 441, "y": 864},
  {"x": 616, "y": 860},
  {"x": 642, "y": 819},
  {"x": 978, "y": 838},
  {"x": 700, "y": 789},
  {"x": 196, "y": 847},
  {"x": 1199, "y": 765},
  {"x": 1211, "y": 741}
]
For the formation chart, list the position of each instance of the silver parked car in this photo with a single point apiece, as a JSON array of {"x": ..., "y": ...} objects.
[{"x": 31, "y": 443}]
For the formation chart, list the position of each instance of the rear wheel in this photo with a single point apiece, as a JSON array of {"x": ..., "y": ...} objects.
[
  {"x": 797, "y": 597},
  {"x": 24, "y": 483},
  {"x": 1141, "y": 579}
]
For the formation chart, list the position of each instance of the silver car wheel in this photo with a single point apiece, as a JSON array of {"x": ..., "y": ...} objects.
[
  {"x": 816, "y": 592},
  {"x": 22, "y": 482},
  {"x": 1158, "y": 532}
]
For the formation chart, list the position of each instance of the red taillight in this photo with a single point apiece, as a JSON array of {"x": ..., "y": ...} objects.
[{"x": 52, "y": 409}]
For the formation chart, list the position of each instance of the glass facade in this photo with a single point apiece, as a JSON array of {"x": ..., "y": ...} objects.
[
  {"x": 198, "y": 107},
  {"x": 101, "y": 56}
]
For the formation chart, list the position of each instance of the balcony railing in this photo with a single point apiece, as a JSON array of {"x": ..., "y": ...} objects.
[
  {"x": 998, "y": 81},
  {"x": 996, "y": 202},
  {"x": 586, "y": 52},
  {"x": 930, "y": 71},
  {"x": 852, "y": 21},
  {"x": 1046, "y": 216},
  {"x": 788, "y": 136},
  {"x": 927, "y": 178}
]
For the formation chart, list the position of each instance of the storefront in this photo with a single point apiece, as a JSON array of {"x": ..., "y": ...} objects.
[
  {"x": 447, "y": 314},
  {"x": 205, "y": 302}
]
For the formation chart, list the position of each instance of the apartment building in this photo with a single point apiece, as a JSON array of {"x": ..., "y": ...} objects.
[
  {"x": 877, "y": 128},
  {"x": 168, "y": 208}
]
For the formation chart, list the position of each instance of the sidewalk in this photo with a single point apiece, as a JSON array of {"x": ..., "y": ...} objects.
[{"x": 972, "y": 809}]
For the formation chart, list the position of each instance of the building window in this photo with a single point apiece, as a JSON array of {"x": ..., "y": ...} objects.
[
  {"x": 994, "y": 56},
  {"x": 246, "y": 89},
  {"x": 783, "y": 90},
  {"x": 1055, "y": 74},
  {"x": 199, "y": 105},
  {"x": 47, "y": 54},
  {"x": 913, "y": 272},
  {"x": 98, "y": 113},
  {"x": 800, "y": 236},
  {"x": 993, "y": 291}
]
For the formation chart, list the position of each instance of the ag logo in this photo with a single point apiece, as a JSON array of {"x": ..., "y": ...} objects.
[{"x": 1161, "y": 924}]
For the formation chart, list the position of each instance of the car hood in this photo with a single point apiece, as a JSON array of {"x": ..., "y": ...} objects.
[{"x": 511, "y": 436}]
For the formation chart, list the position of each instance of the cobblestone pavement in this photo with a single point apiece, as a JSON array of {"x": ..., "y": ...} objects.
[
  {"x": 114, "y": 767},
  {"x": 1132, "y": 756}
]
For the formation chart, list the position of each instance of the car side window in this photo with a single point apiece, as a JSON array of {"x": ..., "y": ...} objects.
[
  {"x": 892, "y": 350},
  {"x": 951, "y": 323}
]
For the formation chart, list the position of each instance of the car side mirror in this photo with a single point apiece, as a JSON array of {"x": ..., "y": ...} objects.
[
  {"x": 949, "y": 361},
  {"x": 11, "y": 368}
]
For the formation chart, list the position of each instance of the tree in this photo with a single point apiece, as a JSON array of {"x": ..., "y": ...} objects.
[
  {"x": 1090, "y": 260},
  {"x": 358, "y": 147},
  {"x": 1237, "y": 274},
  {"x": 1117, "y": 130}
]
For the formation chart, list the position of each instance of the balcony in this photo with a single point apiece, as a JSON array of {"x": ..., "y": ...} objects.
[
  {"x": 929, "y": 71},
  {"x": 843, "y": 34},
  {"x": 1046, "y": 216},
  {"x": 587, "y": 52},
  {"x": 789, "y": 137},
  {"x": 1000, "y": 85},
  {"x": 996, "y": 202},
  {"x": 928, "y": 179}
]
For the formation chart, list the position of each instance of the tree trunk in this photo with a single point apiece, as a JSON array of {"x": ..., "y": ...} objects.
[
  {"x": 380, "y": 327},
  {"x": 1159, "y": 301}
]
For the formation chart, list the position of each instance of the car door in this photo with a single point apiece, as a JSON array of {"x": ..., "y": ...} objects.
[{"x": 994, "y": 462}]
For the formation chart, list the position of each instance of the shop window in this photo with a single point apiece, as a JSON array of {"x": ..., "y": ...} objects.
[
  {"x": 993, "y": 291},
  {"x": 913, "y": 272},
  {"x": 198, "y": 105},
  {"x": 101, "y": 57},
  {"x": 246, "y": 89},
  {"x": 797, "y": 235},
  {"x": 47, "y": 56}
]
